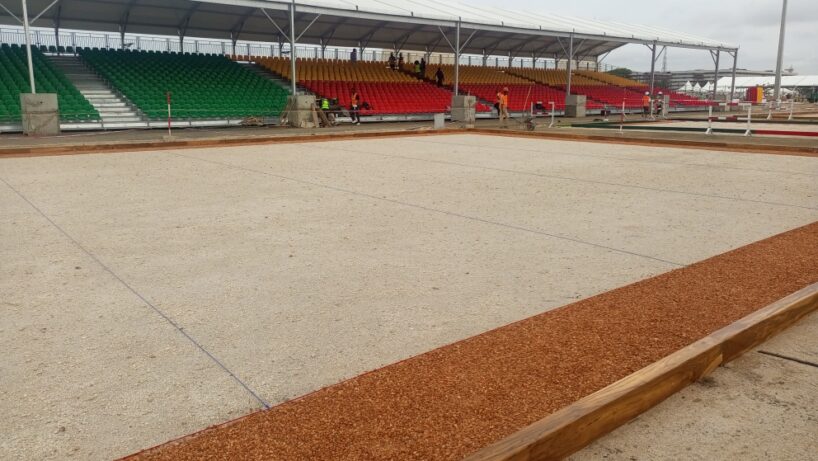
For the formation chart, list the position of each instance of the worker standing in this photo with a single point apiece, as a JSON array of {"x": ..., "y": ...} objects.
[
  {"x": 353, "y": 56},
  {"x": 422, "y": 68},
  {"x": 416, "y": 69},
  {"x": 646, "y": 104},
  {"x": 660, "y": 104},
  {"x": 439, "y": 77},
  {"x": 354, "y": 102},
  {"x": 502, "y": 107},
  {"x": 393, "y": 61}
]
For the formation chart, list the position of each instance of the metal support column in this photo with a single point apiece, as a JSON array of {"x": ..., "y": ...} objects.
[
  {"x": 733, "y": 80},
  {"x": 716, "y": 76},
  {"x": 569, "y": 67},
  {"x": 293, "y": 76},
  {"x": 779, "y": 65},
  {"x": 28, "y": 47},
  {"x": 652, "y": 67},
  {"x": 457, "y": 59}
]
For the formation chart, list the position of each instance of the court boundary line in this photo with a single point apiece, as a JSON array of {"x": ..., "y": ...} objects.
[
  {"x": 179, "y": 329},
  {"x": 145, "y": 146},
  {"x": 435, "y": 210},
  {"x": 588, "y": 181}
]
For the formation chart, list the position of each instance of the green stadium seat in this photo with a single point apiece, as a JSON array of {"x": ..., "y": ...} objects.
[
  {"x": 202, "y": 86},
  {"x": 14, "y": 80}
]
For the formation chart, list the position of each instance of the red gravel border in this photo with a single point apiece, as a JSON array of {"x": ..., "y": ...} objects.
[{"x": 452, "y": 401}]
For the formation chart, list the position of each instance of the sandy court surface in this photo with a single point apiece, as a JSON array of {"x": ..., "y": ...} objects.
[
  {"x": 755, "y": 124},
  {"x": 290, "y": 267}
]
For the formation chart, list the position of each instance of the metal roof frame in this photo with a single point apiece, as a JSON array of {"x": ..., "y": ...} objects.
[{"x": 412, "y": 24}]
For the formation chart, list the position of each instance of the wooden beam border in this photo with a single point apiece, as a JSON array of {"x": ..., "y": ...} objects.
[
  {"x": 575, "y": 426},
  {"x": 153, "y": 145}
]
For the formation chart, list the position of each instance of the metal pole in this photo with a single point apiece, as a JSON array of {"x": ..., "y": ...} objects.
[
  {"x": 457, "y": 59},
  {"x": 716, "y": 76},
  {"x": 652, "y": 68},
  {"x": 293, "y": 80},
  {"x": 569, "y": 67},
  {"x": 780, "y": 62},
  {"x": 733, "y": 81},
  {"x": 28, "y": 48}
]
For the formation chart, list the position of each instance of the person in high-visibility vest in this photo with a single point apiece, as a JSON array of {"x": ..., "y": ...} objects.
[
  {"x": 502, "y": 106},
  {"x": 646, "y": 104}
]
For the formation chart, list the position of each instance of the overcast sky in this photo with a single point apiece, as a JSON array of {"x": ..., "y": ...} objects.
[{"x": 751, "y": 24}]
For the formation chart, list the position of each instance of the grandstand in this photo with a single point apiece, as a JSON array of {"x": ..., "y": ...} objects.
[
  {"x": 385, "y": 91},
  {"x": 128, "y": 84},
  {"x": 201, "y": 86},
  {"x": 14, "y": 80}
]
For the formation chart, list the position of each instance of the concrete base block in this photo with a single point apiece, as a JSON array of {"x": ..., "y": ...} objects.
[
  {"x": 463, "y": 109},
  {"x": 300, "y": 110},
  {"x": 439, "y": 121},
  {"x": 41, "y": 114},
  {"x": 575, "y": 106}
]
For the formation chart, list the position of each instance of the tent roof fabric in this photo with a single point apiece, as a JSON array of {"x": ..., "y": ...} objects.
[
  {"x": 787, "y": 81},
  {"x": 390, "y": 24}
]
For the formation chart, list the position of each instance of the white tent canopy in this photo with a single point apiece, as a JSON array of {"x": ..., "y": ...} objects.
[{"x": 789, "y": 81}]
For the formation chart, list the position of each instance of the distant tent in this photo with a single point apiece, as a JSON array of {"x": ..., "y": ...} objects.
[
  {"x": 686, "y": 87},
  {"x": 697, "y": 88}
]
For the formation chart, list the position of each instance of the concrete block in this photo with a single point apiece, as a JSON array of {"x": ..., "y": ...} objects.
[
  {"x": 463, "y": 109},
  {"x": 40, "y": 114},
  {"x": 439, "y": 121},
  {"x": 575, "y": 105},
  {"x": 300, "y": 109}
]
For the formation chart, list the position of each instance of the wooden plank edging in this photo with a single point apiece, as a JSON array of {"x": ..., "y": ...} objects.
[{"x": 577, "y": 425}]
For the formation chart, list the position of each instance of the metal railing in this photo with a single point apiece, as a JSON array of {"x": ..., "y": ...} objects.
[{"x": 104, "y": 40}]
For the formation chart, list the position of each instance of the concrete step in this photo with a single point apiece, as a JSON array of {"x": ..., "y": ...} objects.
[
  {"x": 114, "y": 109},
  {"x": 129, "y": 119},
  {"x": 113, "y": 105}
]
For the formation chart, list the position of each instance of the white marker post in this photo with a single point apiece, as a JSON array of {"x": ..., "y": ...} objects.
[
  {"x": 749, "y": 131},
  {"x": 622, "y": 118},
  {"x": 770, "y": 111},
  {"x": 792, "y": 107},
  {"x": 167, "y": 95},
  {"x": 553, "y": 110}
]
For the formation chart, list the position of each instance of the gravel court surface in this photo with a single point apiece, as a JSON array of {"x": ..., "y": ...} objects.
[
  {"x": 651, "y": 209},
  {"x": 88, "y": 371},
  {"x": 370, "y": 259}
]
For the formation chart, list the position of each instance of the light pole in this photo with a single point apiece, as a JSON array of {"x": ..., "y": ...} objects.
[
  {"x": 780, "y": 63},
  {"x": 28, "y": 47}
]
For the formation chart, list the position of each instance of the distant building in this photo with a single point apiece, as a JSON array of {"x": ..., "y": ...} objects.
[{"x": 678, "y": 79}]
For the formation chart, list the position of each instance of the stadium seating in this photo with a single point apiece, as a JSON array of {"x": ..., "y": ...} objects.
[
  {"x": 554, "y": 77},
  {"x": 610, "y": 79},
  {"x": 520, "y": 97},
  {"x": 201, "y": 86},
  {"x": 474, "y": 75},
  {"x": 335, "y": 70},
  {"x": 386, "y": 91},
  {"x": 386, "y": 97},
  {"x": 638, "y": 89},
  {"x": 14, "y": 80},
  {"x": 611, "y": 96}
]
